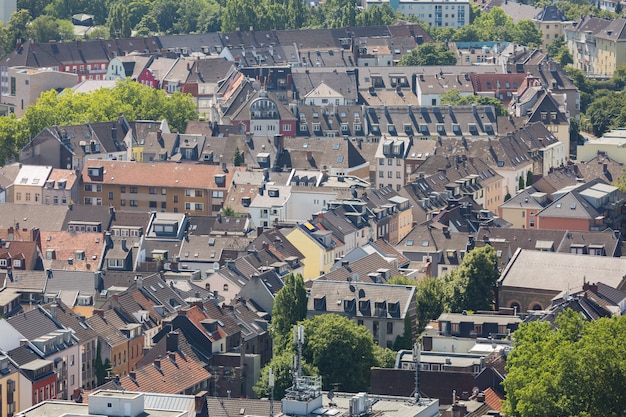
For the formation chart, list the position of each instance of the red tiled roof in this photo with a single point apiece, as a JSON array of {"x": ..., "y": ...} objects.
[
  {"x": 493, "y": 400},
  {"x": 170, "y": 377}
]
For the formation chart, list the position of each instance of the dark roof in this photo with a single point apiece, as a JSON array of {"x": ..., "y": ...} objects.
[
  {"x": 33, "y": 324},
  {"x": 550, "y": 14},
  {"x": 73, "y": 321}
]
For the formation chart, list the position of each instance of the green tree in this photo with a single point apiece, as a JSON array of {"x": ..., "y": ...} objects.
[
  {"x": 520, "y": 183},
  {"x": 604, "y": 112},
  {"x": 342, "y": 351},
  {"x": 384, "y": 357},
  {"x": 228, "y": 211},
  {"x": 526, "y": 33},
  {"x": 429, "y": 296},
  {"x": 507, "y": 197},
  {"x": 137, "y": 9},
  {"x": 454, "y": 97},
  {"x": 429, "y": 54},
  {"x": 35, "y": 7},
  {"x": 118, "y": 21},
  {"x": 289, "y": 308},
  {"x": 564, "y": 371},
  {"x": 495, "y": 25},
  {"x": 11, "y": 136},
  {"x": 44, "y": 28},
  {"x": 376, "y": 15},
  {"x": 529, "y": 178},
  {"x": 282, "y": 368},
  {"x": 559, "y": 51},
  {"x": 147, "y": 26},
  {"x": 165, "y": 12},
  {"x": 18, "y": 28},
  {"x": 472, "y": 285},
  {"x": 238, "y": 14},
  {"x": 238, "y": 157}
]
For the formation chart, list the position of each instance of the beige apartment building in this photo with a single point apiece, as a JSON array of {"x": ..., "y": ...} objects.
[
  {"x": 26, "y": 85},
  {"x": 199, "y": 190}
]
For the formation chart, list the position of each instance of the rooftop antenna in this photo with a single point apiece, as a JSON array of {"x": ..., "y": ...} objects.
[
  {"x": 417, "y": 347},
  {"x": 271, "y": 385},
  {"x": 298, "y": 339}
]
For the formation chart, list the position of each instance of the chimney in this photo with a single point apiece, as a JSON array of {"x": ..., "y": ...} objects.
[
  {"x": 53, "y": 311},
  {"x": 159, "y": 135},
  {"x": 200, "y": 401},
  {"x": 157, "y": 363},
  {"x": 139, "y": 279},
  {"x": 171, "y": 342},
  {"x": 99, "y": 312},
  {"x": 114, "y": 133},
  {"x": 108, "y": 240},
  {"x": 265, "y": 245},
  {"x": 279, "y": 143},
  {"x": 172, "y": 356},
  {"x": 605, "y": 168},
  {"x": 124, "y": 247},
  {"x": 132, "y": 375}
]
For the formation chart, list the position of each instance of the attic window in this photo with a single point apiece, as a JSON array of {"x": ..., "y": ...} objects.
[
  {"x": 319, "y": 303},
  {"x": 558, "y": 205}
]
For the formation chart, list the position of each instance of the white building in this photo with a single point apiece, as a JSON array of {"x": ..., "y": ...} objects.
[{"x": 437, "y": 13}]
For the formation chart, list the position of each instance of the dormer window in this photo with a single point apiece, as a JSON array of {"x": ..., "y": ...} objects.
[{"x": 319, "y": 303}]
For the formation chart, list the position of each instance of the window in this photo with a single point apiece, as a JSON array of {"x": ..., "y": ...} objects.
[
  {"x": 27, "y": 196},
  {"x": 110, "y": 195},
  {"x": 389, "y": 327},
  {"x": 152, "y": 190},
  {"x": 133, "y": 190},
  {"x": 3, "y": 262},
  {"x": 218, "y": 194},
  {"x": 18, "y": 196},
  {"x": 163, "y": 205},
  {"x": 123, "y": 203},
  {"x": 381, "y": 174},
  {"x": 122, "y": 189},
  {"x": 225, "y": 288},
  {"x": 133, "y": 203},
  {"x": 17, "y": 263},
  {"x": 175, "y": 198},
  {"x": 153, "y": 204},
  {"x": 87, "y": 187},
  {"x": 163, "y": 191}
]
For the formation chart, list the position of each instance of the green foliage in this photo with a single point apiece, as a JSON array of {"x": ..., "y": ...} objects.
[
  {"x": 472, "y": 285},
  {"x": 529, "y": 178},
  {"x": 101, "y": 367},
  {"x": 384, "y": 357},
  {"x": 429, "y": 295},
  {"x": 526, "y": 33},
  {"x": 558, "y": 50},
  {"x": 282, "y": 368},
  {"x": 11, "y": 135},
  {"x": 228, "y": 211},
  {"x": 429, "y": 54},
  {"x": 376, "y": 15},
  {"x": 507, "y": 197},
  {"x": 118, "y": 21},
  {"x": 343, "y": 351},
  {"x": 289, "y": 308},
  {"x": 238, "y": 157},
  {"x": 402, "y": 280},
  {"x": 128, "y": 97},
  {"x": 520, "y": 183},
  {"x": 619, "y": 182},
  {"x": 575, "y": 369},
  {"x": 454, "y": 97}
]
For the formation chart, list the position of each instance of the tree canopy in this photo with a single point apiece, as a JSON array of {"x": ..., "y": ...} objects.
[
  {"x": 576, "y": 368},
  {"x": 136, "y": 101},
  {"x": 429, "y": 54},
  {"x": 472, "y": 285},
  {"x": 341, "y": 350},
  {"x": 289, "y": 308},
  {"x": 454, "y": 97}
]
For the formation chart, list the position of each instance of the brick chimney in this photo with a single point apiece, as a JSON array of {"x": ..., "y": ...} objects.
[
  {"x": 99, "y": 312},
  {"x": 157, "y": 363},
  {"x": 132, "y": 375},
  {"x": 200, "y": 401}
]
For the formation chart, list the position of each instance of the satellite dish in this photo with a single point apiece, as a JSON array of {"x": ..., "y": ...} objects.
[
  {"x": 331, "y": 394},
  {"x": 216, "y": 266},
  {"x": 355, "y": 277}
]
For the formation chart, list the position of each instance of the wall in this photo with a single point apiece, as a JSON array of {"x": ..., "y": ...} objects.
[{"x": 560, "y": 223}]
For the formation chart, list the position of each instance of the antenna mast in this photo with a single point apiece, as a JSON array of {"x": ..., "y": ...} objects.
[
  {"x": 417, "y": 347},
  {"x": 271, "y": 385},
  {"x": 298, "y": 339}
]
